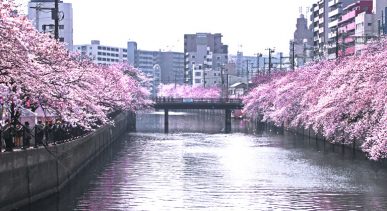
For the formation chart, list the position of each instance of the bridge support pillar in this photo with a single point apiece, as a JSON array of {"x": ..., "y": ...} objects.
[
  {"x": 228, "y": 121},
  {"x": 166, "y": 121}
]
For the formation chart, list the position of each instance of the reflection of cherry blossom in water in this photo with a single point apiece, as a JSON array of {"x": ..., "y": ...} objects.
[
  {"x": 36, "y": 70},
  {"x": 345, "y": 99}
]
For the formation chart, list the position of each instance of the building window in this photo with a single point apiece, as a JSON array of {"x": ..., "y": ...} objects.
[
  {"x": 198, "y": 74},
  {"x": 99, "y": 48},
  {"x": 197, "y": 81},
  {"x": 125, "y": 50},
  {"x": 99, "y": 53},
  {"x": 61, "y": 39},
  {"x": 104, "y": 48},
  {"x": 369, "y": 24},
  {"x": 61, "y": 26},
  {"x": 108, "y": 54}
]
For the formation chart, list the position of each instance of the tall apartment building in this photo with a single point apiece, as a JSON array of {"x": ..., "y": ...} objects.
[
  {"x": 204, "y": 59},
  {"x": 160, "y": 67},
  {"x": 325, "y": 17},
  {"x": 102, "y": 54},
  {"x": 335, "y": 11},
  {"x": 40, "y": 13},
  {"x": 379, "y": 9},
  {"x": 358, "y": 24},
  {"x": 320, "y": 19},
  {"x": 303, "y": 42},
  {"x": 347, "y": 26}
]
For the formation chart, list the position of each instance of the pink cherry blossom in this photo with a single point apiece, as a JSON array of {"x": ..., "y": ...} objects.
[
  {"x": 343, "y": 99},
  {"x": 187, "y": 91},
  {"x": 37, "y": 71}
]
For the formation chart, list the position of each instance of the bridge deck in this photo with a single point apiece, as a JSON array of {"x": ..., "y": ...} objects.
[{"x": 199, "y": 103}]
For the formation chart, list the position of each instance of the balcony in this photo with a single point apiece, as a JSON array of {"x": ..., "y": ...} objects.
[
  {"x": 333, "y": 24},
  {"x": 331, "y": 35},
  {"x": 348, "y": 16},
  {"x": 333, "y": 2},
  {"x": 335, "y": 12},
  {"x": 347, "y": 28}
]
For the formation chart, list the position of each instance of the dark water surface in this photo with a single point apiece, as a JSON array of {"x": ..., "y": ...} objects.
[{"x": 199, "y": 168}]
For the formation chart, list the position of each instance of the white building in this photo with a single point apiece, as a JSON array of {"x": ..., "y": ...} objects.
[
  {"x": 364, "y": 30},
  {"x": 205, "y": 52},
  {"x": 102, "y": 54},
  {"x": 40, "y": 13}
]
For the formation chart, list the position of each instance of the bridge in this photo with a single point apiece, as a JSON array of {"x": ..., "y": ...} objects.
[{"x": 198, "y": 103}]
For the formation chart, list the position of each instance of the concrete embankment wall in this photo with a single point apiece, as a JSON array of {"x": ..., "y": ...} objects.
[
  {"x": 310, "y": 133},
  {"x": 27, "y": 176}
]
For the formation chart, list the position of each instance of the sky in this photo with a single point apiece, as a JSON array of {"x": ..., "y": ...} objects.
[{"x": 250, "y": 26}]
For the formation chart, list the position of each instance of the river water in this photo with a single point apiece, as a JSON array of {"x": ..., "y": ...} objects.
[{"x": 197, "y": 167}]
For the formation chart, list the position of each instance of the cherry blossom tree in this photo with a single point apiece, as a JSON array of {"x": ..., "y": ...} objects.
[
  {"x": 186, "y": 91},
  {"x": 344, "y": 99},
  {"x": 38, "y": 71}
]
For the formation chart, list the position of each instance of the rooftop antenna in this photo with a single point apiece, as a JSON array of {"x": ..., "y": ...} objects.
[
  {"x": 240, "y": 48},
  {"x": 300, "y": 10}
]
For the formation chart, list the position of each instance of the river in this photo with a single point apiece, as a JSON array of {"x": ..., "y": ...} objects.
[{"x": 197, "y": 167}]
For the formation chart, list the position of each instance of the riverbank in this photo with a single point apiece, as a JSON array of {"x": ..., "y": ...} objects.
[{"x": 27, "y": 176}]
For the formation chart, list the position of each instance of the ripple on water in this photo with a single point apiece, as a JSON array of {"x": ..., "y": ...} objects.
[{"x": 224, "y": 172}]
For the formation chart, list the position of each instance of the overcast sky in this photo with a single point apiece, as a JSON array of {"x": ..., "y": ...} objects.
[{"x": 246, "y": 25}]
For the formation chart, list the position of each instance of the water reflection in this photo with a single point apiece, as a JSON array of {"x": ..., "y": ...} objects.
[{"x": 202, "y": 171}]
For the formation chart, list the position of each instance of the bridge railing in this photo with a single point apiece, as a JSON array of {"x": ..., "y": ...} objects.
[{"x": 196, "y": 100}]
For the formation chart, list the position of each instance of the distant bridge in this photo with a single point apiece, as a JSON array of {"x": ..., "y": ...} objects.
[{"x": 198, "y": 103}]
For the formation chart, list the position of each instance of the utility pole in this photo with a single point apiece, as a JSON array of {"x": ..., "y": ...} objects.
[
  {"x": 222, "y": 80},
  {"x": 281, "y": 61},
  {"x": 55, "y": 15},
  {"x": 294, "y": 56},
  {"x": 227, "y": 85},
  {"x": 383, "y": 30},
  {"x": 247, "y": 75},
  {"x": 343, "y": 47},
  {"x": 258, "y": 56},
  {"x": 337, "y": 42},
  {"x": 270, "y": 52},
  {"x": 204, "y": 77},
  {"x": 175, "y": 80},
  {"x": 264, "y": 66},
  {"x": 37, "y": 10}
]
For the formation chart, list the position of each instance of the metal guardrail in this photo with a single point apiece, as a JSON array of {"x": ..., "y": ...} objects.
[{"x": 197, "y": 100}]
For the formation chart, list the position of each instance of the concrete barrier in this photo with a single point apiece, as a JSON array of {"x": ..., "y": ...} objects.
[{"x": 27, "y": 176}]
